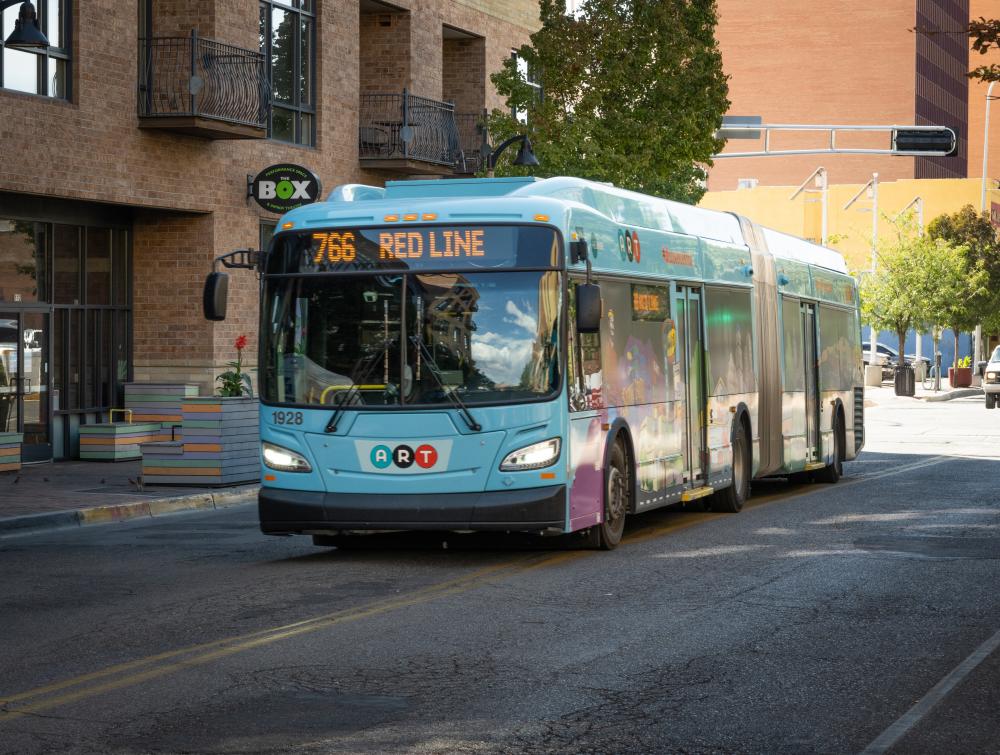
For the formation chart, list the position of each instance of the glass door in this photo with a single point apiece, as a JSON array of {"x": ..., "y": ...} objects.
[
  {"x": 24, "y": 381},
  {"x": 690, "y": 352}
]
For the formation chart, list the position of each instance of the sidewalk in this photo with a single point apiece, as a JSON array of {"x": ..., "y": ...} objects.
[
  {"x": 80, "y": 493},
  {"x": 887, "y": 392}
]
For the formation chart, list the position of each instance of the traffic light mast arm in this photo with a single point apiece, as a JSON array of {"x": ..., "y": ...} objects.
[{"x": 904, "y": 141}]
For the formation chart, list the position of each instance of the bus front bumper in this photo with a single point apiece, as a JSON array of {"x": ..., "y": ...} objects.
[{"x": 289, "y": 512}]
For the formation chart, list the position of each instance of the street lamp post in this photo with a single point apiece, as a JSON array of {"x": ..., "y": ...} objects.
[
  {"x": 27, "y": 33},
  {"x": 977, "y": 337},
  {"x": 819, "y": 173},
  {"x": 525, "y": 155}
]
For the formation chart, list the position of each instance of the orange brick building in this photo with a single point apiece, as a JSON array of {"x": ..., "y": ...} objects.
[
  {"x": 847, "y": 62},
  {"x": 127, "y": 146}
]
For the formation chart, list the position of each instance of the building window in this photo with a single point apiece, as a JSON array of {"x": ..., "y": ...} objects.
[
  {"x": 527, "y": 73},
  {"x": 746, "y": 183},
  {"x": 45, "y": 72},
  {"x": 267, "y": 229},
  {"x": 288, "y": 41}
]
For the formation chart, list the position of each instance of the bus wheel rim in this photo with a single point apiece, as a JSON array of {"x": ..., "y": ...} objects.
[{"x": 616, "y": 496}]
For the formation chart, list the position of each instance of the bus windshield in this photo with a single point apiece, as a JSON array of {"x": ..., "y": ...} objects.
[{"x": 411, "y": 338}]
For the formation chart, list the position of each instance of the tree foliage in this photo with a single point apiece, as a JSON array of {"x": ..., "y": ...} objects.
[
  {"x": 632, "y": 92},
  {"x": 985, "y": 36},
  {"x": 973, "y": 233},
  {"x": 920, "y": 282}
]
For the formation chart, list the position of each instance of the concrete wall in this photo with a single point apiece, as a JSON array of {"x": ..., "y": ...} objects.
[{"x": 850, "y": 230}]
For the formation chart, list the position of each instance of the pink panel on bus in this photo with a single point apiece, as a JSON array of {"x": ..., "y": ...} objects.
[{"x": 586, "y": 494}]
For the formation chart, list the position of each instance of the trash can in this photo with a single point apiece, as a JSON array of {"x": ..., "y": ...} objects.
[{"x": 905, "y": 383}]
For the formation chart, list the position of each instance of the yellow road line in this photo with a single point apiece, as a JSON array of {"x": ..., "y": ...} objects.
[{"x": 207, "y": 652}]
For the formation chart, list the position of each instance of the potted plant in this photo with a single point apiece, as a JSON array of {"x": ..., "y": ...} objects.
[
  {"x": 235, "y": 382},
  {"x": 961, "y": 376}
]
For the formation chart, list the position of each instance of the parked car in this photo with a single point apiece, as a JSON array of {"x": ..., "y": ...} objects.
[
  {"x": 887, "y": 357},
  {"x": 991, "y": 379}
]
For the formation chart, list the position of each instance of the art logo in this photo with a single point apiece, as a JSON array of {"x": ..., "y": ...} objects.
[
  {"x": 628, "y": 246},
  {"x": 280, "y": 188},
  {"x": 403, "y": 456}
]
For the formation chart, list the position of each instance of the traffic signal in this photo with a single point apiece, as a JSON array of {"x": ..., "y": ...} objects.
[{"x": 927, "y": 141}]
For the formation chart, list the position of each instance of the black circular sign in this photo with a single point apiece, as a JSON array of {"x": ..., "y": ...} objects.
[{"x": 283, "y": 187}]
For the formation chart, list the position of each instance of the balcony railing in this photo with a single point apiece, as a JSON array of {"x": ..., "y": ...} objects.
[
  {"x": 408, "y": 133},
  {"x": 200, "y": 86},
  {"x": 470, "y": 138}
]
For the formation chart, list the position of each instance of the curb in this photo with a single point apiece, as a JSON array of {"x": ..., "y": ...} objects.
[
  {"x": 957, "y": 393},
  {"x": 120, "y": 512}
]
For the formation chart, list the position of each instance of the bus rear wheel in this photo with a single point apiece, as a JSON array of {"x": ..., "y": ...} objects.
[
  {"x": 730, "y": 500},
  {"x": 833, "y": 472},
  {"x": 617, "y": 496}
]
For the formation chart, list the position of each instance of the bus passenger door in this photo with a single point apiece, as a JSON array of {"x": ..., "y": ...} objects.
[
  {"x": 690, "y": 348},
  {"x": 811, "y": 382}
]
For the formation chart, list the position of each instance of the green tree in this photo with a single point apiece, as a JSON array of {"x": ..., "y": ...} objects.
[
  {"x": 978, "y": 238},
  {"x": 985, "y": 36},
  {"x": 632, "y": 92},
  {"x": 919, "y": 282}
]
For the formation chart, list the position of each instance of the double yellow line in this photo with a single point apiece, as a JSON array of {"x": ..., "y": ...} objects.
[{"x": 135, "y": 672}]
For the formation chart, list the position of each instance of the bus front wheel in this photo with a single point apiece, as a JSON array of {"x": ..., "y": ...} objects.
[
  {"x": 731, "y": 499},
  {"x": 617, "y": 495}
]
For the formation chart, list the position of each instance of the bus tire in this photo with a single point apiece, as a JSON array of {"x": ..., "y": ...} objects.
[
  {"x": 833, "y": 472},
  {"x": 730, "y": 499},
  {"x": 617, "y": 497}
]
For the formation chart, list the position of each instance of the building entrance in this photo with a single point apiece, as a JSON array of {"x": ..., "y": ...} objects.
[{"x": 25, "y": 403}]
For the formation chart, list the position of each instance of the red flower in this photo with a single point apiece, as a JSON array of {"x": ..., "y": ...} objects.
[{"x": 241, "y": 343}]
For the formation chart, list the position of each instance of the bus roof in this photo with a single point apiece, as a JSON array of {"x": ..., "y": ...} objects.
[{"x": 618, "y": 205}]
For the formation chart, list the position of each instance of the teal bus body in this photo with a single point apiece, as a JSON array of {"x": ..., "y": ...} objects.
[{"x": 416, "y": 338}]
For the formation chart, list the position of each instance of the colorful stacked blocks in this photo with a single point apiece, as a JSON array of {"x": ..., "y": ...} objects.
[
  {"x": 220, "y": 446},
  {"x": 116, "y": 441},
  {"x": 10, "y": 451},
  {"x": 159, "y": 402}
]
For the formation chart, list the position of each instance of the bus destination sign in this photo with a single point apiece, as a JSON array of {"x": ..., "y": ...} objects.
[{"x": 431, "y": 247}]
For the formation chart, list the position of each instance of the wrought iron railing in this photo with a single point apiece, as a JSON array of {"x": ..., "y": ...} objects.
[
  {"x": 405, "y": 126},
  {"x": 194, "y": 76},
  {"x": 470, "y": 138}
]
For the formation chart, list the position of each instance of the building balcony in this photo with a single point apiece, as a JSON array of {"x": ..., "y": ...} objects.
[
  {"x": 405, "y": 133},
  {"x": 198, "y": 86}
]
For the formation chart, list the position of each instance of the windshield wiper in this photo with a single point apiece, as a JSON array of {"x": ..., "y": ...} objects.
[
  {"x": 435, "y": 371},
  {"x": 357, "y": 380}
]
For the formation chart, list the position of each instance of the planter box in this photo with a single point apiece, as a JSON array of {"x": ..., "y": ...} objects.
[
  {"x": 221, "y": 445},
  {"x": 10, "y": 451},
  {"x": 159, "y": 402},
  {"x": 116, "y": 441},
  {"x": 960, "y": 377}
]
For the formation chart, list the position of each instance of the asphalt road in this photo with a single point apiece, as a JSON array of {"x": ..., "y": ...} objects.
[{"x": 821, "y": 619}]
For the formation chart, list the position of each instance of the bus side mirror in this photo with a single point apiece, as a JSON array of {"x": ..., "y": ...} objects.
[
  {"x": 588, "y": 308},
  {"x": 578, "y": 251},
  {"x": 215, "y": 296}
]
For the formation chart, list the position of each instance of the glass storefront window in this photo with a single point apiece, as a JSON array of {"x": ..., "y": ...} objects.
[
  {"x": 98, "y": 266},
  {"x": 23, "y": 261},
  {"x": 120, "y": 266},
  {"x": 66, "y": 251}
]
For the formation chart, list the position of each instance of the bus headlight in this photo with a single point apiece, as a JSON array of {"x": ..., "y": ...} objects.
[
  {"x": 535, "y": 456},
  {"x": 284, "y": 460}
]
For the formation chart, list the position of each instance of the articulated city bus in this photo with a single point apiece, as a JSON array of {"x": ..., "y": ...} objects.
[{"x": 544, "y": 356}]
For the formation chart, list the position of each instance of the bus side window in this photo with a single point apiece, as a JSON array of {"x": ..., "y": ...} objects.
[{"x": 584, "y": 372}]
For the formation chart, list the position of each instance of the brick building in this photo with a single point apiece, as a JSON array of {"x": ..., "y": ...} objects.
[
  {"x": 846, "y": 62},
  {"x": 127, "y": 146}
]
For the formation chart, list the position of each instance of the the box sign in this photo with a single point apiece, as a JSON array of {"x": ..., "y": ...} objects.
[{"x": 283, "y": 187}]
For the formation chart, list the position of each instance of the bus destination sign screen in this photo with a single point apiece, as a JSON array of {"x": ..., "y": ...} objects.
[{"x": 414, "y": 248}]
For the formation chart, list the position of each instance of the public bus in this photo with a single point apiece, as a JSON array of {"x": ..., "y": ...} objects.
[{"x": 544, "y": 356}]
